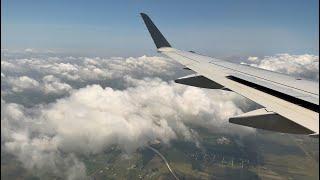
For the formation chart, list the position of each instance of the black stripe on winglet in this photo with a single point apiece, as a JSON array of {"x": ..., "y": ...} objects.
[{"x": 156, "y": 35}]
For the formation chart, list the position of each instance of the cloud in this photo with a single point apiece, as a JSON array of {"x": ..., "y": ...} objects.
[
  {"x": 132, "y": 117},
  {"x": 305, "y": 66},
  {"x": 85, "y": 105},
  {"x": 29, "y": 50},
  {"x": 6, "y": 65},
  {"x": 252, "y": 58},
  {"x": 53, "y": 85},
  {"x": 69, "y": 73},
  {"x": 37, "y": 152},
  {"x": 23, "y": 83},
  {"x": 93, "y": 118},
  {"x": 84, "y": 68},
  {"x": 4, "y": 49}
]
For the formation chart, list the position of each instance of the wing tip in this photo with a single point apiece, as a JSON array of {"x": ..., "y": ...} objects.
[
  {"x": 143, "y": 14},
  {"x": 159, "y": 40}
]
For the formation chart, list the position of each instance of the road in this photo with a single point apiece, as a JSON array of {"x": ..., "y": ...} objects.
[{"x": 164, "y": 160}]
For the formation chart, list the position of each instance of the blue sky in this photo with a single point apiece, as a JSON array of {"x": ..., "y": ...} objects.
[{"x": 114, "y": 28}]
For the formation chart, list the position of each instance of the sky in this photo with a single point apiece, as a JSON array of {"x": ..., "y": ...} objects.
[{"x": 114, "y": 28}]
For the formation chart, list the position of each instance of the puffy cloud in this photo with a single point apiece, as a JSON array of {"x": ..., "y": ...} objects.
[
  {"x": 21, "y": 136},
  {"x": 76, "y": 72},
  {"x": 23, "y": 83},
  {"x": 85, "y": 69},
  {"x": 6, "y": 65},
  {"x": 305, "y": 66},
  {"x": 53, "y": 85},
  {"x": 94, "y": 118}
]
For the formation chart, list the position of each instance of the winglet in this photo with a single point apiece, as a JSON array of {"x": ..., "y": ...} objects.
[{"x": 156, "y": 35}]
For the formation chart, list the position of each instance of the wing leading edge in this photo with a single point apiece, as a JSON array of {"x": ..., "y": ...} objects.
[{"x": 291, "y": 105}]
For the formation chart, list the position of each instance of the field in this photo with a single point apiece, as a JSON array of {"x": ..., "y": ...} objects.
[{"x": 264, "y": 155}]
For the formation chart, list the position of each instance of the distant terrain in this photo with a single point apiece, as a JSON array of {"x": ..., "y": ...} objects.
[{"x": 266, "y": 155}]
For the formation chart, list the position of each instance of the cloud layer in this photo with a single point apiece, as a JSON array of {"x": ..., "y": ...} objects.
[
  {"x": 93, "y": 118},
  {"x": 57, "y": 108},
  {"x": 305, "y": 66}
]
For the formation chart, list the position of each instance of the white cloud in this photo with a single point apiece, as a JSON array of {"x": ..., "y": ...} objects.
[
  {"x": 29, "y": 50},
  {"x": 252, "y": 58},
  {"x": 92, "y": 119},
  {"x": 23, "y": 83},
  {"x": 305, "y": 66},
  {"x": 53, "y": 85},
  {"x": 48, "y": 85},
  {"x": 6, "y": 65},
  {"x": 37, "y": 153},
  {"x": 93, "y": 113},
  {"x": 85, "y": 69}
]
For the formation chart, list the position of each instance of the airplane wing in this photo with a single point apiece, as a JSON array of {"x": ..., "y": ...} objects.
[{"x": 290, "y": 105}]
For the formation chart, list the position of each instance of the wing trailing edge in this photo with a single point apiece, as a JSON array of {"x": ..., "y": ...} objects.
[
  {"x": 268, "y": 120},
  {"x": 198, "y": 81}
]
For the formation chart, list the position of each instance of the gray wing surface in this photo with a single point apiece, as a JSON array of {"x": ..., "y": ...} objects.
[{"x": 291, "y": 105}]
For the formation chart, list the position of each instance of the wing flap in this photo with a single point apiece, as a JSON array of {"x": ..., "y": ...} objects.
[
  {"x": 268, "y": 120},
  {"x": 198, "y": 81}
]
